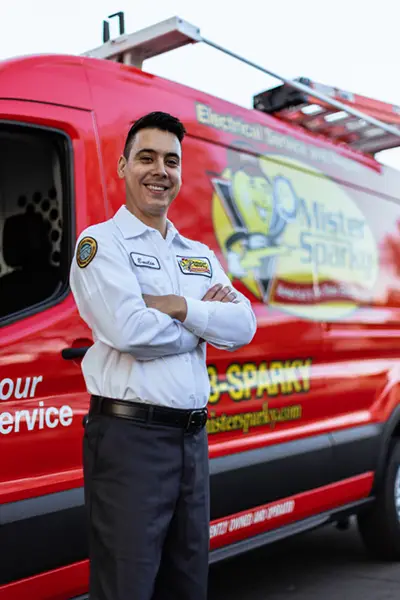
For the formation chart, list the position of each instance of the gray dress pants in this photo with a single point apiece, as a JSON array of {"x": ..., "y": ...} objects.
[{"x": 147, "y": 499}]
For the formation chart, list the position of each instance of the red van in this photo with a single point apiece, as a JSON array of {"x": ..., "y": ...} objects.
[{"x": 304, "y": 422}]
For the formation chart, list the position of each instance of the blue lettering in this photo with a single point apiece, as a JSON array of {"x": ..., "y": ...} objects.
[
  {"x": 315, "y": 216},
  {"x": 334, "y": 254},
  {"x": 308, "y": 257},
  {"x": 303, "y": 212}
]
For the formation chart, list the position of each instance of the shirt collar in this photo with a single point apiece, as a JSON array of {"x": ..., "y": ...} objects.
[
  {"x": 173, "y": 234},
  {"x": 131, "y": 227}
]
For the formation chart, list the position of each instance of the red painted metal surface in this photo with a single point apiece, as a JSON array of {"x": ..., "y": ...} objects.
[
  {"x": 60, "y": 584},
  {"x": 233, "y": 528},
  {"x": 45, "y": 447}
]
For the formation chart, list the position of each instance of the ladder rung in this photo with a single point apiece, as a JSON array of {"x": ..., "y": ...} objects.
[{"x": 318, "y": 117}]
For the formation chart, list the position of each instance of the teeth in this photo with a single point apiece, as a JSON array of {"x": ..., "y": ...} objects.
[{"x": 156, "y": 188}]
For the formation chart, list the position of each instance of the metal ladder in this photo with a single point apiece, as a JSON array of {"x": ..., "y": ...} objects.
[
  {"x": 319, "y": 116},
  {"x": 359, "y": 122}
]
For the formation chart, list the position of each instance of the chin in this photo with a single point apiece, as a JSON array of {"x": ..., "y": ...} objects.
[
  {"x": 157, "y": 209},
  {"x": 159, "y": 205}
]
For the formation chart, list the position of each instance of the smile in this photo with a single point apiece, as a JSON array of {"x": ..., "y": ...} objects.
[{"x": 156, "y": 188}]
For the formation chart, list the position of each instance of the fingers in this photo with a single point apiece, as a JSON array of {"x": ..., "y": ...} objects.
[
  {"x": 218, "y": 293},
  {"x": 212, "y": 292},
  {"x": 225, "y": 295}
]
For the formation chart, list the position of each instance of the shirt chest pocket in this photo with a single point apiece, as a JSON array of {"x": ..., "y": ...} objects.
[
  {"x": 195, "y": 275},
  {"x": 148, "y": 272}
]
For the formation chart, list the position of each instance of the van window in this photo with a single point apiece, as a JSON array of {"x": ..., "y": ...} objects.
[{"x": 34, "y": 221}]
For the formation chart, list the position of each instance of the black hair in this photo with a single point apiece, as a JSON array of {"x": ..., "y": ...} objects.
[{"x": 155, "y": 120}]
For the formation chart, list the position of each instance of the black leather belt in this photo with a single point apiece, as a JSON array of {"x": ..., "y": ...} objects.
[{"x": 189, "y": 420}]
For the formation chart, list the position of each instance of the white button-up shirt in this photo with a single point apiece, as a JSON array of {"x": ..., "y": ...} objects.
[{"x": 140, "y": 353}]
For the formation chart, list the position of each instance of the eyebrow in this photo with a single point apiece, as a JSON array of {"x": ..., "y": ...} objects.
[{"x": 152, "y": 151}]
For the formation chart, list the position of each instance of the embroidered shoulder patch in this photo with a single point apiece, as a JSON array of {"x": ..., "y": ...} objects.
[
  {"x": 195, "y": 265},
  {"x": 86, "y": 251}
]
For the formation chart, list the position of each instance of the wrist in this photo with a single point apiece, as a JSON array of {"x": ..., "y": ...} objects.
[{"x": 178, "y": 308}]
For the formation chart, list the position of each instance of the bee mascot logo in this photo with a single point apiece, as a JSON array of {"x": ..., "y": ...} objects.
[{"x": 294, "y": 238}]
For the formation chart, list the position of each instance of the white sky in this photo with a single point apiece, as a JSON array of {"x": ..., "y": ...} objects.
[{"x": 351, "y": 44}]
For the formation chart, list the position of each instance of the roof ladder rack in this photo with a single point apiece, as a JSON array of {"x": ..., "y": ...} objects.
[
  {"x": 357, "y": 121},
  {"x": 157, "y": 39},
  {"x": 321, "y": 117}
]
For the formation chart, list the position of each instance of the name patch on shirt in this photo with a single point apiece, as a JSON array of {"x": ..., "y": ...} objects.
[
  {"x": 195, "y": 265},
  {"x": 145, "y": 260},
  {"x": 86, "y": 251}
]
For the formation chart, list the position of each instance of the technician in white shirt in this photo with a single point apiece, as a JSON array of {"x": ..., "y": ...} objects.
[{"x": 152, "y": 299}]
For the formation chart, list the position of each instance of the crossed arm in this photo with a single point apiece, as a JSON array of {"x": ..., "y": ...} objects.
[
  {"x": 176, "y": 306},
  {"x": 223, "y": 317},
  {"x": 149, "y": 327}
]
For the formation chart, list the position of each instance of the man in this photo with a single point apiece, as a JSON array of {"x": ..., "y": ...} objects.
[{"x": 152, "y": 299}]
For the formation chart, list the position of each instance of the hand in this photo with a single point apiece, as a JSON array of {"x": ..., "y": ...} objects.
[
  {"x": 174, "y": 306},
  {"x": 218, "y": 293}
]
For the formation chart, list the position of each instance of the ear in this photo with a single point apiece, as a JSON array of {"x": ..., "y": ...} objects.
[{"x": 121, "y": 167}]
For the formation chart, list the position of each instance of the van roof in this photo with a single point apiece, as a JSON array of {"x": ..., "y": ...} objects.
[{"x": 64, "y": 82}]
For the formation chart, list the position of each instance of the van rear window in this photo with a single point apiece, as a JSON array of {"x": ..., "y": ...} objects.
[{"x": 34, "y": 219}]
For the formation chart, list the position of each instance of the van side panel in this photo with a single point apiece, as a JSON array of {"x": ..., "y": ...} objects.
[
  {"x": 54, "y": 186},
  {"x": 362, "y": 344}
]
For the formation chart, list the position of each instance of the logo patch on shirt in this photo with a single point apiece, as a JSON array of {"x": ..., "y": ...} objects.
[
  {"x": 195, "y": 265},
  {"x": 86, "y": 251},
  {"x": 145, "y": 260}
]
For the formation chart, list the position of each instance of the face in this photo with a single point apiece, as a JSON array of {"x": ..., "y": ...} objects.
[
  {"x": 152, "y": 172},
  {"x": 253, "y": 197}
]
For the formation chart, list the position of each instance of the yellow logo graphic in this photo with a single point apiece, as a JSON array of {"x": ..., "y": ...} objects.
[
  {"x": 199, "y": 266},
  {"x": 246, "y": 381},
  {"x": 295, "y": 238}
]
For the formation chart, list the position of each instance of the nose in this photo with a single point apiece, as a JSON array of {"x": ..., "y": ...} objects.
[{"x": 159, "y": 167}]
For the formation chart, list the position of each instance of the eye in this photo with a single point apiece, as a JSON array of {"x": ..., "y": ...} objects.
[
  {"x": 145, "y": 159},
  {"x": 171, "y": 162}
]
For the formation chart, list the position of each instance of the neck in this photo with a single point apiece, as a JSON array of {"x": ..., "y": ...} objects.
[{"x": 158, "y": 222}]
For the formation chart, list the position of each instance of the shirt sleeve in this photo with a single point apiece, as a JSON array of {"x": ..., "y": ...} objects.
[
  {"x": 225, "y": 325},
  {"x": 109, "y": 299}
]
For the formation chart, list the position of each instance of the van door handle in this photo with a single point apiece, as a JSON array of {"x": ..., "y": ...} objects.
[{"x": 71, "y": 353}]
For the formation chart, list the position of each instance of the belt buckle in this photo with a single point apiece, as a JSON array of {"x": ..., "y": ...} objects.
[{"x": 196, "y": 423}]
